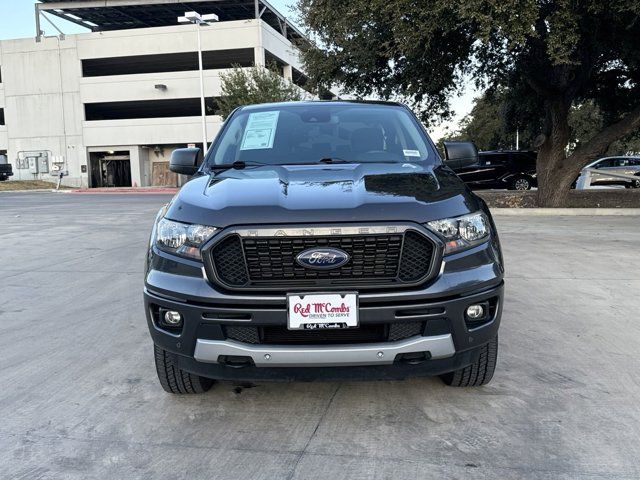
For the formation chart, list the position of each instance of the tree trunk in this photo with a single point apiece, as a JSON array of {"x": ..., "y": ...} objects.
[
  {"x": 556, "y": 171},
  {"x": 554, "y": 178}
]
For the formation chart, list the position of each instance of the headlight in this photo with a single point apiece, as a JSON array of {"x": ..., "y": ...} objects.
[
  {"x": 461, "y": 233},
  {"x": 182, "y": 238}
]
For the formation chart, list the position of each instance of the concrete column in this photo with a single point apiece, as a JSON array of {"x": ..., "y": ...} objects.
[
  {"x": 258, "y": 56},
  {"x": 145, "y": 167},
  {"x": 136, "y": 167},
  {"x": 287, "y": 72}
]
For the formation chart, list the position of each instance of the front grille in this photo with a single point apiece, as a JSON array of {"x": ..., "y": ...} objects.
[
  {"x": 229, "y": 261},
  {"x": 365, "y": 334},
  {"x": 400, "y": 331},
  {"x": 391, "y": 259},
  {"x": 280, "y": 335},
  {"x": 416, "y": 257},
  {"x": 372, "y": 257},
  {"x": 243, "y": 334}
]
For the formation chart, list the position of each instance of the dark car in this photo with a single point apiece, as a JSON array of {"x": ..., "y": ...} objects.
[
  {"x": 512, "y": 169},
  {"x": 6, "y": 170},
  {"x": 323, "y": 240}
]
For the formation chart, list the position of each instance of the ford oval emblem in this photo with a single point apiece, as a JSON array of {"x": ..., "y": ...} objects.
[{"x": 322, "y": 258}]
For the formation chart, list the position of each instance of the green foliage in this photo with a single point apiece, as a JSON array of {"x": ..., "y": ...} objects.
[
  {"x": 484, "y": 125},
  {"x": 546, "y": 56},
  {"x": 246, "y": 86},
  {"x": 492, "y": 126},
  {"x": 420, "y": 50},
  {"x": 586, "y": 120},
  {"x": 493, "y": 122}
]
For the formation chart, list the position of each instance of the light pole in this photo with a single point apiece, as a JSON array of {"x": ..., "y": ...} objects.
[{"x": 197, "y": 19}]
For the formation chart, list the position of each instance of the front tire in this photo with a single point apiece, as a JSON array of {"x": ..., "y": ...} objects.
[
  {"x": 520, "y": 183},
  {"x": 175, "y": 380},
  {"x": 478, "y": 373},
  {"x": 633, "y": 184}
]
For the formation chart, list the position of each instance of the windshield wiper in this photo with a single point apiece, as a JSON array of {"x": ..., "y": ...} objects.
[
  {"x": 335, "y": 160},
  {"x": 238, "y": 165}
]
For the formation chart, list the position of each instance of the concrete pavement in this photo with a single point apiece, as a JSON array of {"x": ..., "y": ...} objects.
[{"x": 80, "y": 400}]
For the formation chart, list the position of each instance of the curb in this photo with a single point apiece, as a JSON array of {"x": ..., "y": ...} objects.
[
  {"x": 38, "y": 190},
  {"x": 558, "y": 212},
  {"x": 126, "y": 191}
]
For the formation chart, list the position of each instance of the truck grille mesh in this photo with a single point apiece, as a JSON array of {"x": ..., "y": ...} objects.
[
  {"x": 229, "y": 261},
  {"x": 417, "y": 255},
  {"x": 280, "y": 335},
  {"x": 374, "y": 256},
  {"x": 399, "y": 331},
  {"x": 270, "y": 262}
]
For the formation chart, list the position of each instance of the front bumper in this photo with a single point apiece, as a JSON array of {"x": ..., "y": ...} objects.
[
  {"x": 446, "y": 340},
  {"x": 210, "y": 351},
  {"x": 395, "y": 371}
]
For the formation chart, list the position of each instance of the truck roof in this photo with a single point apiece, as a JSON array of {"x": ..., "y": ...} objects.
[{"x": 316, "y": 102}]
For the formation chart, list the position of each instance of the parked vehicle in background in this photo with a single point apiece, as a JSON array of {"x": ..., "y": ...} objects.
[
  {"x": 6, "y": 170},
  {"x": 323, "y": 240},
  {"x": 511, "y": 169},
  {"x": 625, "y": 165}
]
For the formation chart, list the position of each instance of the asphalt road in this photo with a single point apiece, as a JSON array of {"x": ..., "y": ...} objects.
[{"x": 79, "y": 397}]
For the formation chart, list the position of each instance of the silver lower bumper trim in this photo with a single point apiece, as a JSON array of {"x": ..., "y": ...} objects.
[{"x": 209, "y": 351}]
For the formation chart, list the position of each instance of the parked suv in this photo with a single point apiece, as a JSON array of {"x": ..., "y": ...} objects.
[
  {"x": 512, "y": 169},
  {"x": 323, "y": 240},
  {"x": 616, "y": 165},
  {"x": 6, "y": 170}
]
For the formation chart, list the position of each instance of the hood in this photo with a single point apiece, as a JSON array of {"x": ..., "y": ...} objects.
[{"x": 323, "y": 193}]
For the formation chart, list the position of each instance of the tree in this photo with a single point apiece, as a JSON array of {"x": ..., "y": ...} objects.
[
  {"x": 246, "y": 86},
  {"x": 551, "y": 54},
  {"x": 484, "y": 125},
  {"x": 492, "y": 124},
  {"x": 586, "y": 120}
]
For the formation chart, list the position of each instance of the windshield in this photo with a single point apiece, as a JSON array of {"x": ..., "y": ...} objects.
[{"x": 314, "y": 132}]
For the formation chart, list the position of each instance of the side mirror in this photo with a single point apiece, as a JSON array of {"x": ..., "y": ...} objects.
[
  {"x": 184, "y": 161},
  {"x": 460, "y": 154}
]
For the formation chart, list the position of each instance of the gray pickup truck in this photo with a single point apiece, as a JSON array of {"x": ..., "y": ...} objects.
[{"x": 323, "y": 240}]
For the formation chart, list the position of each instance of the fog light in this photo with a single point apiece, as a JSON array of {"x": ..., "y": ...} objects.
[
  {"x": 474, "y": 312},
  {"x": 173, "y": 318}
]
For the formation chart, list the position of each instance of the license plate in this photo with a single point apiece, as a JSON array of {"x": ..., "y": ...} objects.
[{"x": 314, "y": 311}]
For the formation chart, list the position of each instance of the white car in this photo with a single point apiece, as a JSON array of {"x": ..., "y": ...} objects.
[{"x": 626, "y": 165}]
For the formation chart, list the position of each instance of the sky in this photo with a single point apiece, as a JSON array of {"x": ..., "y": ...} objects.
[{"x": 17, "y": 21}]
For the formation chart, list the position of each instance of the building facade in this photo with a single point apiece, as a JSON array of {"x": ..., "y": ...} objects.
[{"x": 109, "y": 107}]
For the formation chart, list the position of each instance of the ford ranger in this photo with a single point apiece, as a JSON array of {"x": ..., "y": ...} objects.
[{"x": 323, "y": 240}]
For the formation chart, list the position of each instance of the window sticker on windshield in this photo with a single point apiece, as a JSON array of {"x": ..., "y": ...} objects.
[
  {"x": 411, "y": 153},
  {"x": 260, "y": 131}
]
